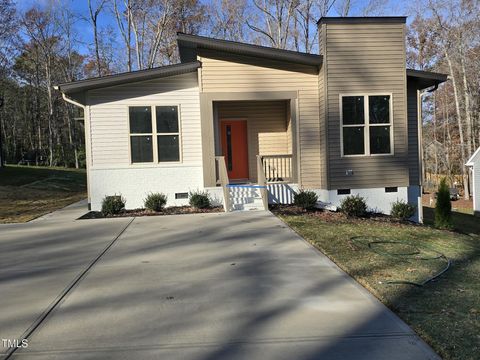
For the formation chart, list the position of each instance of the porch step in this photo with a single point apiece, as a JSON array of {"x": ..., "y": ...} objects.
[{"x": 245, "y": 197}]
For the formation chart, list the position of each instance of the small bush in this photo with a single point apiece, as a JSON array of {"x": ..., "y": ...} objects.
[
  {"x": 354, "y": 205},
  {"x": 199, "y": 199},
  {"x": 443, "y": 207},
  {"x": 305, "y": 199},
  {"x": 402, "y": 210},
  {"x": 112, "y": 205},
  {"x": 155, "y": 201}
]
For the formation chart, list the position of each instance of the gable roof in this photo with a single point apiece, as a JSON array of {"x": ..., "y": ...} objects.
[
  {"x": 471, "y": 161},
  {"x": 188, "y": 45},
  {"x": 426, "y": 79},
  {"x": 127, "y": 77}
]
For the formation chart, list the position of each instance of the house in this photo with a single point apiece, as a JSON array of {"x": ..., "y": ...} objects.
[
  {"x": 238, "y": 119},
  {"x": 474, "y": 164}
]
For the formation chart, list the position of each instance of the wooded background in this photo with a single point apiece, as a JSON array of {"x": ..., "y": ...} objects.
[{"x": 51, "y": 42}]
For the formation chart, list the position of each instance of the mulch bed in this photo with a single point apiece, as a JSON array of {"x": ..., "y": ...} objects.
[
  {"x": 172, "y": 210},
  {"x": 332, "y": 216}
]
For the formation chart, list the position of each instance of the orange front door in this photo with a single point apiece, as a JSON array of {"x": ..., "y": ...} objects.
[{"x": 234, "y": 148}]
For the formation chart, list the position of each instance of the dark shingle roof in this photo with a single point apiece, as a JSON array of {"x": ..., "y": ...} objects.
[{"x": 123, "y": 78}]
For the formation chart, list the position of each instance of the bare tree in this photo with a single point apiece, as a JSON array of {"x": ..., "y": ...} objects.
[
  {"x": 95, "y": 10},
  {"x": 276, "y": 16},
  {"x": 228, "y": 19}
]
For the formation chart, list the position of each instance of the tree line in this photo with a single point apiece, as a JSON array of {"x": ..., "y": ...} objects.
[{"x": 46, "y": 45}]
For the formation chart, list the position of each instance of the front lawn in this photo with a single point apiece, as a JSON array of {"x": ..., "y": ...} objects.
[
  {"x": 444, "y": 312},
  {"x": 27, "y": 192}
]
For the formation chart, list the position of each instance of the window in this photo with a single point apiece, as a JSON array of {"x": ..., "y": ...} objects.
[
  {"x": 154, "y": 127},
  {"x": 366, "y": 125}
]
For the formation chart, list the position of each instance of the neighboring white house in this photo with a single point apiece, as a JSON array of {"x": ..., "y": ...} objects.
[
  {"x": 237, "y": 119},
  {"x": 474, "y": 163}
]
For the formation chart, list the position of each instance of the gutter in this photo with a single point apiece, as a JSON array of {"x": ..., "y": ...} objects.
[{"x": 70, "y": 100}]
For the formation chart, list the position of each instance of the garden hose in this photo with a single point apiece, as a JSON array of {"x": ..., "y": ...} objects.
[{"x": 372, "y": 241}]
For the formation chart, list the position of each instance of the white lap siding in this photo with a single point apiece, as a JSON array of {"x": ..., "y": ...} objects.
[{"x": 111, "y": 171}]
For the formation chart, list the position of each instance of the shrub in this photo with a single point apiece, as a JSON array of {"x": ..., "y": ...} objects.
[
  {"x": 155, "y": 201},
  {"x": 354, "y": 205},
  {"x": 305, "y": 199},
  {"x": 402, "y": 210},
  {"x": 112, "y": 205},
  {"x": 443, "y": 207},
  {"x": 199, "y": 199}
]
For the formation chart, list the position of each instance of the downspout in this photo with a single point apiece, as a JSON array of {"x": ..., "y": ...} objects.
[
  {"x": 420, "y": 95},
  {"x": 84, "y": 107}
]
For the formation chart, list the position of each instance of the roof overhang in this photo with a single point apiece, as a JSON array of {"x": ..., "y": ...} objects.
[
  {"x": 189, "y": 45},
  {"x": 471, "y": 161},
  {"x": 362, "y": 20},
  {"x": 81, "y": 86},
  {"x": 426, "y": 79}
]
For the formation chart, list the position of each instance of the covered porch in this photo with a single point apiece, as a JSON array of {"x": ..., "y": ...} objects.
[{"x": 252, "y": 135}]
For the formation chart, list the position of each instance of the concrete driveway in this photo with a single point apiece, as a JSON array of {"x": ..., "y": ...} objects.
[{"x": 212, "y": 286}]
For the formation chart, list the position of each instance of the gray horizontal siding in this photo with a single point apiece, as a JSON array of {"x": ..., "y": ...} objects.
[{"x": 361, "y": 59}]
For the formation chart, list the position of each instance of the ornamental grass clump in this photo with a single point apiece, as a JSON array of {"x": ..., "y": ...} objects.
[
  {"x": 199, "y": 199},
  {"x": 305, "y": 199},
  {"x": 402, "y": 210},
  {"x": 155, "y": 202},
  {"x": 113, "y": 205},
  {"x": 354, "y": 206}
]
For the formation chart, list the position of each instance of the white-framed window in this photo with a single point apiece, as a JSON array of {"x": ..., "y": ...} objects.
[
  {"x": 154, "y": 134},
  {"x": 366, "y": 124}
]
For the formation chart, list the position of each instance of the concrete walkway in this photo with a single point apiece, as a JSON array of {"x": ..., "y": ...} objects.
[{"x": 210, "y": 286}]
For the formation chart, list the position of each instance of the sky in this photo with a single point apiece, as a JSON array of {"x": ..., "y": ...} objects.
[{"x": 389, "y": 8}]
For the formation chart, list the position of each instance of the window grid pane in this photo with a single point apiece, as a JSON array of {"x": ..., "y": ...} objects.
[
  {"x": 141, "y": 149},
  {"x": 353, "y": 110},
  {"x": 167, "y": 119},
  {"x": 354, "y": 140},
  {"x": 140, "y": 119},
  {"x": 168, "y": 148},
  {"x": 379, "y": 109},
  {"x": 380, "y": 140}
]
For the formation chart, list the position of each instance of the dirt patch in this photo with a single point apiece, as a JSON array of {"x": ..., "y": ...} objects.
[{"x": 172, "y": 210}]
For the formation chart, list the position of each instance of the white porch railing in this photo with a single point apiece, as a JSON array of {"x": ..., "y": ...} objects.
[
  {"x": 222, "y": 180},
  {"x": 262, "y": 182},
  {"x": 277, "y": 168}
]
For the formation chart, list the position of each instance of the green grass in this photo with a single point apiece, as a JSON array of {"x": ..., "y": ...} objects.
[
  {"x": 462, "y": 221},
  {"x": 445, "y": 312},
  {"x": 27, "y": 192}
]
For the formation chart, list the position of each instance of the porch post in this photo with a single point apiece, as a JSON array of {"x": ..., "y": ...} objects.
[
  {"x": 295, "y": 142},
  {"x": 208, "y": 143}
]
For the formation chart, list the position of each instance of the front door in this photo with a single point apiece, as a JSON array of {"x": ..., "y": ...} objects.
[{"x": 234, "y": 148}]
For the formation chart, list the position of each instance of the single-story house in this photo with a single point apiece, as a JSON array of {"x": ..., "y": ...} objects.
[
  {"x": 237, "y": 119},
  {"x": 474, "y": 164}
]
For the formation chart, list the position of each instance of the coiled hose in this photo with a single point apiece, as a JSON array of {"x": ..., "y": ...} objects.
[{"x": 372, "y": 241}]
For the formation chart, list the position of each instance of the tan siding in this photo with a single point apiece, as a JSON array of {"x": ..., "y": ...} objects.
[
  {"x": 109, "y": 117},
  {"x": 366, "y": 58},
  {"x": 266, "y": 127},
  {"x": 226, "y": 76}
]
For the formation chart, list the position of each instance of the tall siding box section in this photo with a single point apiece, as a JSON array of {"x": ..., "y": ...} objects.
[{"x": 365, "y": 59}]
